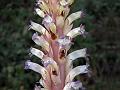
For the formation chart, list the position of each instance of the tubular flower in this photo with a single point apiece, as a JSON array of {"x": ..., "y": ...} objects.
[{"x": 55, "y": 39}]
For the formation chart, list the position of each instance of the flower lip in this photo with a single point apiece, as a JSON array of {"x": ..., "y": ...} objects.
[
  {"x": 77, "y": 31},
  {"x": 47, "y": 19},
  {"x": 82, "y": 29},
  {"x": 76, "y": 85},
  {"x": 35, "y": 35},
  {"x": 39, "y": 2},
  {"x": 46, "y": 63},
  {"x": 76, "y": 82},
  {"x": 65, "y": 40},
  {"x": 73, "y": 85},
  {"x": 27, "y": 65}
]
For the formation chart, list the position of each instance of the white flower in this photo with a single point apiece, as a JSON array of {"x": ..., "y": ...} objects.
[
  {"x": 40, "y": 12},
  {"x": 76, "y": 31},
  {"x": 37, "y": 68},
  {"x": 37, "y": 27},
  {"x": 77, "y": 54},
  {"x": 74, "y": 16},
  {"x": 76, "y": 71},
  {"x": 37, "y": 52},
  {"x": 39, "y": 40},
  {"x": 66, "y": 2}
]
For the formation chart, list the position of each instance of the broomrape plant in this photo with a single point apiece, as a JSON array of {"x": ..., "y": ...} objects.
[{"x": 55, "y": 38}]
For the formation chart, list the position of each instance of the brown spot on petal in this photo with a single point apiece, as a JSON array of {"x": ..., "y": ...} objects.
[
  {"x": 62, "y": 13},
  {"x": 53, "y": 36},
  {"x": 62, "y": 53},
  {"x": 54, "y": 72}
]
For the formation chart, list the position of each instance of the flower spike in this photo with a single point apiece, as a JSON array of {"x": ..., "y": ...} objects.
[{"x": 55, "y": 39}]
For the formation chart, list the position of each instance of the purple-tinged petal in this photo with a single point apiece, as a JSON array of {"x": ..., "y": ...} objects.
[
  {"x": 47, "y": 20},
  {"x": 76, "y": 71},
  {"x": 39, "y": 40},
  {"x": 64, "y": 41},
  {"x": 73, "y": 85},
  {"x": 46, "y": 63},
  {"x": 76, "y": 31},
  {"x": 37, "y": 68},
  {"x": 27, "y": 65}
]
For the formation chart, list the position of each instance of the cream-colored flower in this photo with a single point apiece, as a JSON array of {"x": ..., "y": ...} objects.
[{"x": 39, "y": 40}]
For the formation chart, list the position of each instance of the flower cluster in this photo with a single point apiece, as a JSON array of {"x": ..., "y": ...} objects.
[{"x": 55, "y": 38}]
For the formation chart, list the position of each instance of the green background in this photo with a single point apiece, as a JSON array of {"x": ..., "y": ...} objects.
[{"x": 102, "y": 21}]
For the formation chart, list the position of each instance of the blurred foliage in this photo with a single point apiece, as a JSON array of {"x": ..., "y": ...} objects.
[{"x": 102, "y": 22}]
